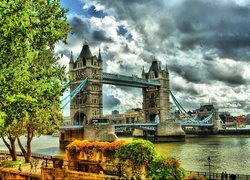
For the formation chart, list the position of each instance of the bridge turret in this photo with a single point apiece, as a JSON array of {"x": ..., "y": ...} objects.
[
  {"x": 71, "y": 62},
  {"x": 88, "y": 102},
  {"x": 166, "y": 68},
  {"x": 143, "y": 74},
  {"x": 156, "y": 99},
  {"x": 99, "y": 55},
  {"x": 71, "y": 65}
]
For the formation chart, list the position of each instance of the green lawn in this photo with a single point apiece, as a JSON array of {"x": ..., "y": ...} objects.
[{"x": 13, "y": 163}]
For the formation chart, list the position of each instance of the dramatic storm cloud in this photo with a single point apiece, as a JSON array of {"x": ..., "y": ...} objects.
[{"x": 205, "y": 44}]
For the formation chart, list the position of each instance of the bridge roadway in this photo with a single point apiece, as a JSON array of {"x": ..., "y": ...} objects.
[
  {"x": 142, "y": 126},
  {"x": 130, "y": 81},
  {"x": 152, "y": 127}
]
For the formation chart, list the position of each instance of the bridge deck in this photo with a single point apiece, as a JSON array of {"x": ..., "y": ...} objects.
[{"x": 130, "y": 81}]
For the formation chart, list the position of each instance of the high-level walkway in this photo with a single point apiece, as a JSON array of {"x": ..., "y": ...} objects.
[{"x": 130, "y": 81}]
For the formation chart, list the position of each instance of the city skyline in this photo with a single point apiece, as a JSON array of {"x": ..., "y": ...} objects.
[{"x": 205, "y": 45}]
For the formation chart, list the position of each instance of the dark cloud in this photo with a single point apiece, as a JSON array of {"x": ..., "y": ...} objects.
[
  {"x": 227, "y": 74},
  {"x": 223, "y": 25},
  {"x": 178, "y": 88},
  {"x": 188, "y": 72},
  {"x": 110, "y": 101},
  {"x": 100, "y": 35},
  {"x": 80, "y": 27}
]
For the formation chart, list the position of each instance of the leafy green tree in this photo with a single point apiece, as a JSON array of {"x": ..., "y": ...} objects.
[
  {"x": 136, "y": 152},
  {"x": 31, "y": 80},
  {"x": 165, "y": 169}
]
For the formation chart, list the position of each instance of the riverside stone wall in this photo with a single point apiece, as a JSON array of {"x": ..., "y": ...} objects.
[
  {"x": 94, "y": 132},
  {"x": 8, "y": 173}
]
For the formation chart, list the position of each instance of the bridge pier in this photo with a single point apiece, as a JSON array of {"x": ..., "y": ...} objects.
[{"x": 170, "y": 132}]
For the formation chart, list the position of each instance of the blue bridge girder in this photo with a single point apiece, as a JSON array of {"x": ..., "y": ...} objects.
[
  {"x": 152, "y": 127},
  {"x": 149, "y": 127},
  {"x": 130, "y": 81}
]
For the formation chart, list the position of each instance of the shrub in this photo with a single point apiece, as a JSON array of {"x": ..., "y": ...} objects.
[
  {"x": 136, "y": 152},
  {"x": 164, "y": 169}
]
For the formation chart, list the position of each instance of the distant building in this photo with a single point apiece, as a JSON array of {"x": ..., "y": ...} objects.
[
  {"x": 115, "y": 117},
  {"x": 66, "y": 121},
  {"x": 205, "y": 110},
  {"x": 130, "y": 116},
  {"x": 230, "y": 120}
]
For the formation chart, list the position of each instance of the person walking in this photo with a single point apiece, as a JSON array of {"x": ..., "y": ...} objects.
[
  {"x": 20, "y": 166},
  {"x": 225, "y": 175},
  {"x": 222, "y": 176},
  {"x": 43, "y": 162},
  {"x": 31, "y": 167},
  {"x": 36, "y": 164}
]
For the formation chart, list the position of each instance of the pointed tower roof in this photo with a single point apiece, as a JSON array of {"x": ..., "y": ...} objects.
[
  {"x": 143, "y": 71},
  {"x": 154, "y": 67},
  {"x": 166, "y": 67},
  {"x": 85, "y": 53},
  {"x": 99, "y": 55},
  {"x": 71, "y": 61}
]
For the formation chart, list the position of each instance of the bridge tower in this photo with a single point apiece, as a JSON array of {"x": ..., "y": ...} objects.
[
  {"x": 156, "y": 98},
  {"x": 88, "y": 102}
]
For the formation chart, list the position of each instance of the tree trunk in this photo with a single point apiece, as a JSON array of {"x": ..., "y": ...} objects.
[
  {"x": 11, "y": 146},
  {"x": 26, "y": 153}
]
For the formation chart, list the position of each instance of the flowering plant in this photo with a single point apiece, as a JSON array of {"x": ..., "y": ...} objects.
[{"x": 85, "y": 146}]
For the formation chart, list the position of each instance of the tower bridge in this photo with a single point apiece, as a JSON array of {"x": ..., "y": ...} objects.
[
  {"x": 87, "y": 103},
  {"x": 86, "y": 87}
]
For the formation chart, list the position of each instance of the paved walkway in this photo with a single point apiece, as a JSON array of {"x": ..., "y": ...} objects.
[{"x": 26, "y": 168}]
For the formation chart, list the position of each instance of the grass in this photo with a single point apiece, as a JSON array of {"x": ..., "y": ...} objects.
[{"x": 13, "y": 163}]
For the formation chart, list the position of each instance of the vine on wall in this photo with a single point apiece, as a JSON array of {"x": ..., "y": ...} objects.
[{"x": 138, "y": 155}]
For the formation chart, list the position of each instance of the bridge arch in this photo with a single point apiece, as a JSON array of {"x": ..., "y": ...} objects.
[{"x": 80, "y": 118}]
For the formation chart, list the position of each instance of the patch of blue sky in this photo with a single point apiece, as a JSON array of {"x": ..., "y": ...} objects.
[
  {"x": 122, "y": 31},
  {"x": 76, "y": 7}
]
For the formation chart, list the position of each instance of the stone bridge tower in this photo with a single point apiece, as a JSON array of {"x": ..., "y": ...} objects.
[
  {"x": 87, "y": 105},
  {"x": 156, "y": 98}
]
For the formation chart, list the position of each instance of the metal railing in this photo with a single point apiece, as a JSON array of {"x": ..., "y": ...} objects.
[
  {"x": 33, "y": 155},
  {"x": 217, "y": 176}
]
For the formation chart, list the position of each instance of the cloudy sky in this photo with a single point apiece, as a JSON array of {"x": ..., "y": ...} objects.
[{"x": 205, "y": 43}]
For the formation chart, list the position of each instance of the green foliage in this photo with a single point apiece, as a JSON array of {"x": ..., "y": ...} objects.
[
  {"x": 164, "y": 169},
  {"x": 136, "y": 152},
  {"x": 31, "y": 80}
]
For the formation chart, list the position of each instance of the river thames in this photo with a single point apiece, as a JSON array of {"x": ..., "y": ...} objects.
[{"x": 228, "y": 153}]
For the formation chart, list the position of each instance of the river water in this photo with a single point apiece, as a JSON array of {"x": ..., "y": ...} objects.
[{"x": 228, "y": 153}]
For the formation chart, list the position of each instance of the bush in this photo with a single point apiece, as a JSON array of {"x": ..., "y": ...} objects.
[
  {"x": 164, "y": 169},
  {"x": 136, "y": 153}
]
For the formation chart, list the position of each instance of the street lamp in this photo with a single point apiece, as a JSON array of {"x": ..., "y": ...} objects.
[{"x": 209, "y": 166}]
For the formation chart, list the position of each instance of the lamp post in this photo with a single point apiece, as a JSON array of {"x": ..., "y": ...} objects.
[{"x": 209, "y": 167}]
